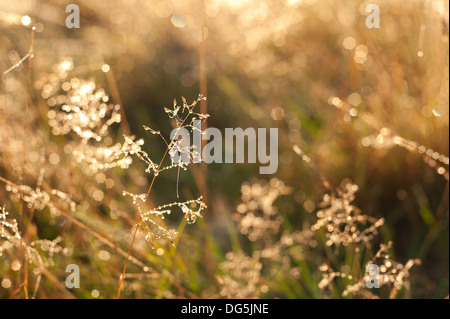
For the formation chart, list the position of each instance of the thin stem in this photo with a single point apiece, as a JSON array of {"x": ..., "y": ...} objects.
[
  {"x": 203, "y": 104},
  {"x": 122, "y": 278},
  {"x": 118, "y": 100},
  {"x": 137, "y": 225},
  {"x": 25, "y": 128}
]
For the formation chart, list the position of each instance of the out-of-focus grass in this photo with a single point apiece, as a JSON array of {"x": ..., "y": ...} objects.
[{"x": 269, "y": 64}]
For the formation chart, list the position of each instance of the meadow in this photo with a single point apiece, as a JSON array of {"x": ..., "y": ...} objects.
[{"x": 88, "y": 182}]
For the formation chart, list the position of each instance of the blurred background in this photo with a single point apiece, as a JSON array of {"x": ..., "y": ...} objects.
[{"x": 343, "y": 93}]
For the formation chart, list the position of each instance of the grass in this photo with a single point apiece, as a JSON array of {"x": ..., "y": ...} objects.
[{"x": 362, "y": 116}]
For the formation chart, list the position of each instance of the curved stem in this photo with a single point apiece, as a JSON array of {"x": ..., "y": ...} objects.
[{"x": 137, "y": 225}]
